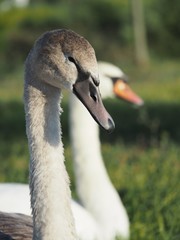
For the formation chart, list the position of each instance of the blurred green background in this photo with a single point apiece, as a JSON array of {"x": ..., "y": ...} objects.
[{"x": 142, "y": 154}]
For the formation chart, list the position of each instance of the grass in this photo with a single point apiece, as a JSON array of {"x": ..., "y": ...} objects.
[
  {"x": 146, "y": 175},
  {"x": 147, "y": 179}
]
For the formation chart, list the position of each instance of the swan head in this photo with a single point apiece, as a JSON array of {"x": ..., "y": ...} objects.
[
  {"x": 114, "y": 82},
  {"x": 66, "y": 60}
]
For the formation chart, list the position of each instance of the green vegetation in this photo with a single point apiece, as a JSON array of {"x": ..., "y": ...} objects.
[
  {"x": 107, "y": 24},
  {"x": 148, "y": 180}
]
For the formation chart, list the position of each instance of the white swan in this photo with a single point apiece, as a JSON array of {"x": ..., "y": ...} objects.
[
  {"x": 95, "y": 190},
  {"x": 86, "y": 223},
  {"x": 60, "y": 59}
]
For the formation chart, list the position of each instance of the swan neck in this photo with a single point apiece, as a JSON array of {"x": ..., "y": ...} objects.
[
  {"x": 94, "y": 187},
  {"x": 49, "y": 182}
]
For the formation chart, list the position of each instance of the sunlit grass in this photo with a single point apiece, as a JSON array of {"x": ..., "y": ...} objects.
[{"x": 148, "y": 182}]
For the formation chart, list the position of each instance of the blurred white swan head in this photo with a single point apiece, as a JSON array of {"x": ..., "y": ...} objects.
[{"x": 114, "y": 83}]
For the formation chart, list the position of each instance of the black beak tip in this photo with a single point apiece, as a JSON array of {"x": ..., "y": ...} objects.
[{"x": 111, "y": 125}]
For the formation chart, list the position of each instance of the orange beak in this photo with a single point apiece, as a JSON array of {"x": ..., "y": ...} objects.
[{"x": 123, "y": 91}]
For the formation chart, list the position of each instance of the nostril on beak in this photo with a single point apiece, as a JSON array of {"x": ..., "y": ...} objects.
[{"x": 94, "y": 97}]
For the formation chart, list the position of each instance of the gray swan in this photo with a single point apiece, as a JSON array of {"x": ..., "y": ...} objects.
[{"x": 60, "y": 59}]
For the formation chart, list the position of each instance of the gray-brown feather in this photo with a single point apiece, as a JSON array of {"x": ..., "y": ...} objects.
[{"x": 15, "y": 226}]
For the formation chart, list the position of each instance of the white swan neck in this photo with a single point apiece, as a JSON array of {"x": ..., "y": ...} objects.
[
  {"x": 94, "y": 187},
  {"x": 86, "y": 152},
  {"x": 49, "y": 182}
]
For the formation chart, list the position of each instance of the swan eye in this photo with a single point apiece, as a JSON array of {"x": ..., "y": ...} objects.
[{"x": 71, "y": 59}]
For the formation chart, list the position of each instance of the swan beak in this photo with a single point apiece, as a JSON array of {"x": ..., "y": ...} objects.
[
  {"x": 123, "y": 91},
  {"x": 88, "y": 93}
]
